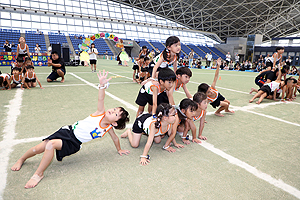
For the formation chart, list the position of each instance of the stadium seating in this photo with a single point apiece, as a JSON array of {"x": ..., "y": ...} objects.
[
  {"x": 197, "y": 50},
  {"x": 101, "y": 46},
  {"x": 11, "y": 36},
  {"x": 33, "y": 38},
  {"x": 56, "y": 38},
  {"x": 144, "y": 43},
  {"x": 219, "y": 53},
  {"x": 187, "y": 50},
  {"x": 158, "y": 45}
]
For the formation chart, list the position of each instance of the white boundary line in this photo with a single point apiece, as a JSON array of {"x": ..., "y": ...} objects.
[
  {"x": 277, "y": 183},
  {"x": 8, "y": 136}
]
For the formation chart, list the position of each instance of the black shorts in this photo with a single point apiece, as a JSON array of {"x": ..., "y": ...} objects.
[
  {"x": 217, "y": 102},
  {"x": 54, "y": 75},
  {"x": 260, "y": 82},
  {"x": 32, "y": 80},
  {"x": 70, "y": 144},
  {"x": 22, "y": 56},
  {"x": 137, "y": 126},
  {"x": 269, "y": 64},
  {"x": 143, "y": 98},
  {"x": 135, "y": 67},
  {"x": 266, "y": 89},
  {"x": 93, "y": 62},
  {"x": 162, "y": 98}
]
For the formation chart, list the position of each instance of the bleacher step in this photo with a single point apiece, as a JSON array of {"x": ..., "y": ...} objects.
[
  {"x": 47, "y": 41},
  {"x": 70, "y": 45}
]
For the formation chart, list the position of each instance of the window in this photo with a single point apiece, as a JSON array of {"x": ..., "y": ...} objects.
[
  {"x": 16, "y": 16},
  {"x": 5, "y": 22},
  {"x": 26, "y": 17},
  {"x": 5, "y": 15}
]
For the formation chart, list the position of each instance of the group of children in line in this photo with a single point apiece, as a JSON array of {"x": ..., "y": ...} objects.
[
  {"x": 164, "y": 116},
  {"x": 272, "y": 81}
]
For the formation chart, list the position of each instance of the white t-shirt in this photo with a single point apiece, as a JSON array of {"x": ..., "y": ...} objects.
[
  {"x": 228, "y": 57},
  {"x": 49, "y": 49},
  {"x": 93, "y": 56},
  {"x": 209, "y": 57},
  {"x": 37, "y": 50}
]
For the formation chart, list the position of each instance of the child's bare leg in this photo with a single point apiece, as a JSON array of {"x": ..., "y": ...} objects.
[
  {"x": 150, "y": 108},
  {"x": 256, "y": 95},
  {"x": 227, "y": 108},
  {"x": 253, "y": 90},
  {"x": 140, "y": 111},
  {"x": 62, "y": 75},
  {"x": 33, "y": 84},
  {"x": 46, "y": 160},
  {"x": 13, "y": 85},
  {"x": 95, "y": 67},
  {"x": 133, "y": 76},
  {"x": 157, "y": 139},
  {"x": 40, "y": 148},
  {"x": 261, "y": 97},
  {"x": 223, "y": 106},
  {"x": 133, "y": 138}
]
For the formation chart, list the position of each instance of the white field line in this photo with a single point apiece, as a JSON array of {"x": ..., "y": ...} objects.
[
  {"x": 70, "y": 85},
  {"x": 277, "y": 183},
  {"x": 8, "y": 136}
]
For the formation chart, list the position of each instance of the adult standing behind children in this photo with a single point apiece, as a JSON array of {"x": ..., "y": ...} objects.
[
  {"x": 228, "y": 58},
  {"x": 191, "y": 56},
  {"x": 22, "y": 49},
  {"x": 58, "y": 67},
  {"x": 7, "y": 46},
  {"x": 209, "y": 58}
]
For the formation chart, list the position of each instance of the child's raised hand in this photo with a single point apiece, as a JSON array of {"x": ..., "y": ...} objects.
[
  {"x": 219, "y": 61},
  {"x": 102, "y": 77}
]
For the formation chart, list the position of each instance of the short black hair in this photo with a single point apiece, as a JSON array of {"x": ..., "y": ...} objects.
[
  {"x": 166, "y": 74},
  {"x": 188, "y": 103},
  {"x": 17, "y": 69},
  {"x": 27, "y": 58},
  {"x": 142, "y": 57},
  {"x": 54, "y": 52},
  {"x": 123, "y": 120},
  {"x": 279, "y": 48},
  {"x": 184, "y": 70},
  {"x": 144, "y": 47},
  {"x": 203, "y": 87},
  {"x": 30, "y": 67},
  {"x": 146, "y": 58},
  {"x": 20, "y": 59},
  {"x": 199, "y": 97}
]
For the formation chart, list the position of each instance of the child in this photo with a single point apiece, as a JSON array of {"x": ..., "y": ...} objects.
[
  {"x": 136, "y": 67},
  {"x": 30, "y": 79},
  {"x": 5, "y": 81},
  {"x": 183, "y": 75},
  {"x": 144, "y": 52},
  {"x": 288, "y": 88},
  {"x": 68, "y": 139},
  {"x": 154, "y": 128},
  {"x": 16, "y": 78},
  {"x": 151, "y": 91},
  {"x": 201, "y": 99},
  {"x": 266, "y": 90},
  {"x": 143, "y": 71},
  {"x": 215, "y": 98},
  {"x": 271, "y": 61},
  {"x": 169, "y": 56},
  {"x": 19, "y": 64},
  {"x": 93, "y": 52},
  {"x": 22, "y": 49},
  {"x": 186, "y": 111}
]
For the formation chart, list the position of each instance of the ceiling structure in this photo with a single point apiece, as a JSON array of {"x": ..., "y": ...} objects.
[{"x": 228, "y": 18}]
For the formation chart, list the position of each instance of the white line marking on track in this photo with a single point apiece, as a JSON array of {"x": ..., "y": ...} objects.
[
  {"x": 277, "y": 183},
  {"x": 9, "y": 135}
]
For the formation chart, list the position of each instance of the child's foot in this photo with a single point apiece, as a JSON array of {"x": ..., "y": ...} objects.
[
  {"x": 125, "y": 134},
  {"x": 250, "y": 101},
  {"x": 257, "y": 102},
  {"x": 17, "y": 166},
  {"x": 252, "y": 90},
  {"x": 219, "y": 114},
  {"x": 34, "y": 180},
  {"x": 62, "y": 80},
  {"x": 229, "y": 111}
]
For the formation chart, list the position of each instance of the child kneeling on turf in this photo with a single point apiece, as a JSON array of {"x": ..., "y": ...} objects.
[
  {"x": 154, "y": 128},
  {"x": 30, "y": 78},
  {"x": 201, "y": 99},
  {"x": 215, "y": 98},
  {"x": 68, "y": 139},
  {"x": 268, "y": 89}
]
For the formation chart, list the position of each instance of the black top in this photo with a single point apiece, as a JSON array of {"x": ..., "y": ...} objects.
[
  {"x": 7, "y": 47},
  {"x": 59, "y": 61},
  {"x": 267, "y": 75}
]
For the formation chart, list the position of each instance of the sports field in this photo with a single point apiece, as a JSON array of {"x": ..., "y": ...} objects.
[{"x": 252, "y": 154}]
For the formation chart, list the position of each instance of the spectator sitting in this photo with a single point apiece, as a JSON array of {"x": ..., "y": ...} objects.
[
  {"x": 294, "y": 70},
  {"x": 37, "y": 48},
  {"x": 231, "y": 65},
  {"x": 49, "y": 49},
  {"x": 58, "y": 68}
]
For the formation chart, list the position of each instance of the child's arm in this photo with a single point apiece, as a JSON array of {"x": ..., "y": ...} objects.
[
  {"x": 186, "y": 91},
  {"x": 8, "y": 82},
  {"x": 172, "y": 132},
  {"x": 116, "y": 141},
  {"x": 170, "y": 96},
  {"x": 144, "y": 160},
  {"x": 39, "y": 83},
  {"x": 175, "y": 66},
  {"x": 160, "y": 60},
  {"x": 283, "y": 93},
  {"x": 27, "y": 48},
  {"x": 201, "y": 127},
  {"x": 154, "y": 98},
  {"x": 279, "y": 74},
  {"x": 102, "y": 86},
  {"x": 213, "y": 85},
  {"x": 23, "y": 83},
  {"x": 17, "y": 55}
]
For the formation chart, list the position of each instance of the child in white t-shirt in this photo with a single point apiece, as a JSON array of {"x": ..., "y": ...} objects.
[{"x": 93, "y": 52}]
